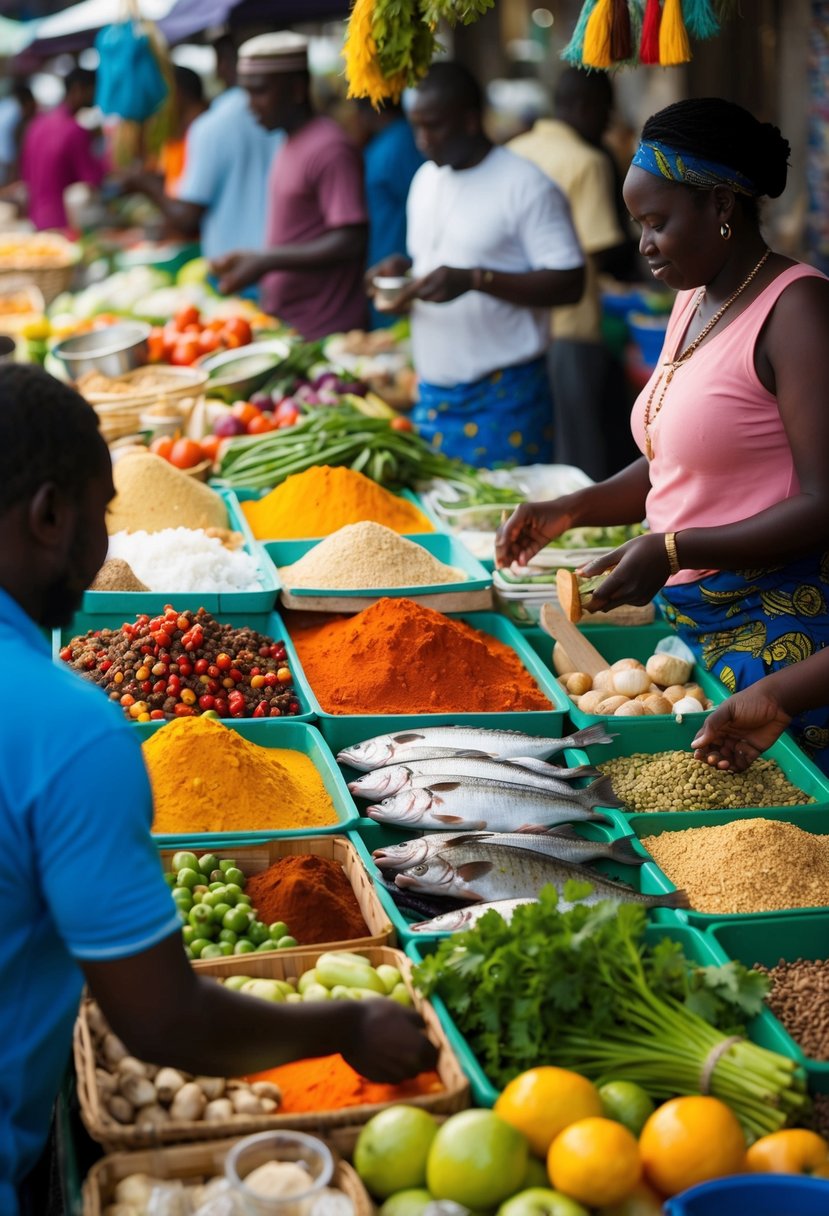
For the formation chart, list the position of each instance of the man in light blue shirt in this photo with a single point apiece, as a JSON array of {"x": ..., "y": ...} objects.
[{"x": 82, "y": 894}]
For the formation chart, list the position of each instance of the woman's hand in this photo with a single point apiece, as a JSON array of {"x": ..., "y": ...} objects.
[
  {"x": 639, "y": 568},
  {"x": 531, "y": 526},
  {"x": 735, "y": 734}
]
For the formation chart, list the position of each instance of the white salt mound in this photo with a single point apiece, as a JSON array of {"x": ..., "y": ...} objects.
[
  {"x": 185, "y": 559},
  {"x": 368, "y": 556}
]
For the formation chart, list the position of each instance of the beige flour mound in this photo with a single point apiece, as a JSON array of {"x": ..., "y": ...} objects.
[
  {"x": 151, "y": 494},
  {"x": 368, "y": 556},
  {"x": 748, "y": 865},
  {"x": 117, "y": 575}
]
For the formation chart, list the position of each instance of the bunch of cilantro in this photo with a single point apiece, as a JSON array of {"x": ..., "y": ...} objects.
[
  {"x": 404, "y": 31},
  {"x": 594, "y": 990}
]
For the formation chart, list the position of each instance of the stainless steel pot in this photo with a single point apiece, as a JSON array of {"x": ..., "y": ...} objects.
[{"x": 112, "y": 351}]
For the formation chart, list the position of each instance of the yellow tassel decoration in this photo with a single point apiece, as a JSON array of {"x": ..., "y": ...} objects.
[
  {"x": 362, "y": 69},
  {"x": 596, "y": 53},
  {"x": 674, "y": 45}
]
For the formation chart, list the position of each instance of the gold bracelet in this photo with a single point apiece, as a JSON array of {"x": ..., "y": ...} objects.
[
  {"x": 481, "y": 278},
  {"x": 670, "y": 549}
]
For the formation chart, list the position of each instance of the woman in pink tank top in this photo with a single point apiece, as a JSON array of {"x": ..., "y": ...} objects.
[{"x": 733, "y": 425}]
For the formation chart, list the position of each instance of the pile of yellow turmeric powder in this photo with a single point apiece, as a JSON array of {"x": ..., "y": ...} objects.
[
  {"x": 207, "y": 778},
  {"x": 324, "y": 499}
]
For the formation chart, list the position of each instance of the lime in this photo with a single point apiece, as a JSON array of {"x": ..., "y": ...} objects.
[
  {"x": 198, "y": 944},
  {"x": 391, "y": 1150},
  {"x": 187, "y": 877},
  {"x": 184, "y": 861},
  {"x": 221, "y": 910},
  {"x": 236, "y": 919},
  {"x": 212, "y": 950},
  {"x": 406, "y": 1203},
  {"x": 182, "y": 898},
  {"x": 216, "y": 886},
  {"x": 476, "y": 1159},
  {"x": 199, "y": 916},
  {"x": 232, "y": 891},
  {"x": 278, "y": 929},
  {"x": 258, "y": 933},
  {"x": 267, "y": 944},
  {"x": 234, "y": 875},
  {"x": 226, "y": 865},
  {"x": 208, "y": 862},
  {"x": 626, "y": 1103},
  {"x": 188, "y": 935},
  {"x": 236, "y": 982},
  {"x": 227, "y": 935},
  {"x": 287, "y": 943},
  {"x": 225, "y": 948},
  {"x": 243, "y": 899},
  {"x": 243, "y": 946}
]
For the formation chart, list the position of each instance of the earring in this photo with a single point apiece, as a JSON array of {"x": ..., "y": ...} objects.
[{"x": 725, "y": 231}]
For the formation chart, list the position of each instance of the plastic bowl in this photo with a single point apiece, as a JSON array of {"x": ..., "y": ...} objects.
[
  {"x": 112, "y": 351},
  {"x": 291, "y": 1147},
  {"x": 648, "y": 332},
  {"x": 757, "y": 1194}
]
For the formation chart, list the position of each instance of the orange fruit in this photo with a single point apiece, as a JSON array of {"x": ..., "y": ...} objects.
[
  {"x": 543, "y": 1101},
  {"x": 791, "y": 1151},
  {"x": 595, "y": 1161},
  {"x": 689, "y": 1140}
]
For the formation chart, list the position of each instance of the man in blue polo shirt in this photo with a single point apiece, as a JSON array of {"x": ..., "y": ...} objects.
[{"x": 82, "y": 893}]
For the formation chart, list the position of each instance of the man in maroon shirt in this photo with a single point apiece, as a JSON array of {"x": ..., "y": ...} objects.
[
  {"x": 317, "y": 224},
  {"x": 57, "y": 152}
]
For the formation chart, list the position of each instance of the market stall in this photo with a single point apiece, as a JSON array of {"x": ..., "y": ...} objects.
[{"x": 376, "y": 776}]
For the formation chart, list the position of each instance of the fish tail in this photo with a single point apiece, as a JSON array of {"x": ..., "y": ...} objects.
[
  {"x": 671, "y": 899},
  {"x": 591, "y": 735},
  {"x": 624, "y": 852},
  {"x": 598, "y": 817},
  {"x": 600, "y": 793}
]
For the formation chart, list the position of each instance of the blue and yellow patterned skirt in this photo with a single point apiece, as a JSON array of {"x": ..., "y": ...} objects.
[
  {"x": 506, "y": 418},
  {"x": 744, "y": 624}
]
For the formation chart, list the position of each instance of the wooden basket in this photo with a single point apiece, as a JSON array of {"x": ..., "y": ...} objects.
[
  {"x": 282, "y": 965},
  {"x": 12, "y": 286},
  {"x": 253, "y": 859},
  {"x": 192, "y": 1163},
  {"x": 44, "y": 259}
]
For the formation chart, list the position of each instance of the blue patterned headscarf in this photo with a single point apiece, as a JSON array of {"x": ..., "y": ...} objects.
[{"x": 663, "y": 161}]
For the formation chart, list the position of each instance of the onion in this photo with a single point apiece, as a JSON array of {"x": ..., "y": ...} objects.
[
  {"x": 627, "y": 665},
  {"x": 667, "y": 669},
  {"x": 688, "y": 705},
  {"x": 630, "y": 709},
  {"x": 228, "y": 426},
  {"x": 630, "y": 681},
  {"x": 611, "y": 704}
]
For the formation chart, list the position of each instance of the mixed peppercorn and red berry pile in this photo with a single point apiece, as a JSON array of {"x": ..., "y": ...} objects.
[{"x": 183, "y": 664}]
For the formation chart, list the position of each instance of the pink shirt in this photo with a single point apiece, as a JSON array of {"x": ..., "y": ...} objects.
[
  {"x": 316, "y": 184},
  {"x": 57, "y": 152},
  {"x": 720, "y": 449}
]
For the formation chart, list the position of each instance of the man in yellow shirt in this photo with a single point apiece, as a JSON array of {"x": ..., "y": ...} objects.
[{"x": 587, "y": 383}]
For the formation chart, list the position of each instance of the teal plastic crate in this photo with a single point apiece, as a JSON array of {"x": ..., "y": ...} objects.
[
  {"x": 662, "y": 734},
  {"x": 655, "y": 880},
  {"x": 280, "y": 733},
  {"x": 367, "y": 835},
  {"x": 268, "y": 623},
  {"x": 97, "y": 603},
  {"x": 764, "y": 1030},
  {"x": 621, "y": 642},
  {"x": 768, "y": 939},
  {"x": 341, "y": 730},
  {"x": 442, "y": 547},
  {"x": 246, "y": 495}
]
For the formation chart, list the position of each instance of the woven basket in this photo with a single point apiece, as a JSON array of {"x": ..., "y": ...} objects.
[
  {"x": 13, "y": 286},
  {"x": 193, "y": 1163},
  {"x": 282, "y": 965},
  {"x": 45, "y": 259},
  {"x": 119, "y": 414}
]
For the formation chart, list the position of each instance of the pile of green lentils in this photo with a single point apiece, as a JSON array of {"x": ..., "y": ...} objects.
[{"x": 675, "y": 781}]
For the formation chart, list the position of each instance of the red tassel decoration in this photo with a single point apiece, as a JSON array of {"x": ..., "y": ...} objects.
[
  {"x": 621, "y": 41},
  {"x": 649, "y": 43}
]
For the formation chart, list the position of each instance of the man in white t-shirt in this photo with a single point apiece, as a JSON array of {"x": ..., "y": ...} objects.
[{"x": 492, "y": 248}]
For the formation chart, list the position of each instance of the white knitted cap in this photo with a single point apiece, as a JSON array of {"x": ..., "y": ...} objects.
[{"x": 281, "y": 51}]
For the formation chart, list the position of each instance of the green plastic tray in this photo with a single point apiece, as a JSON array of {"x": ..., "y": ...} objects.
[
  {"x": 244, "y": 495},
  {"x": 654, "y": 880},
  {"x": 97, "y": 603},
  {"x": 341, "y": 730},
  {"x": 367, "y": 835},
  {"x": 440, "y": 525},
  {"x": 620, "y": 642},
  {"x": 441, "y": 546},
  {"x": 273, "y": 732},
  {"x": 764, "y": 1030},
  {"x": 661, "y": 734},
  {"x": 768, "y": 939},
  {"x": 269, "y": 623}
]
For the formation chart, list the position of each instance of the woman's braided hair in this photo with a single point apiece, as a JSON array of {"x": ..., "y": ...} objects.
[{"x": 724, "y": 132}]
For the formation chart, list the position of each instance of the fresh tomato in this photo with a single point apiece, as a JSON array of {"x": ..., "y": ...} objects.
[
  {"x": 162, "y": 446},
  {"x": 245, "y": 411},
  {"x": 238, "y": 329},
  {"x": 210, "y": 446},
  {"x": 261, "y": 424},
  {"x": 189, "y": 315},
  {"x": 155, "y": 343},
  {"x": 401, "y": 424},
  {"x": 286, "y": 413},
  {"x": 185, "y": 352},
  {"x": 185, "y": 453},
  {"x": 216, "y": 325},
  {"x": 209, "y": 341}
]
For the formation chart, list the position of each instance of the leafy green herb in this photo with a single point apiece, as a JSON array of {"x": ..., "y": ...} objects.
[{"x": 589, "y": 989}]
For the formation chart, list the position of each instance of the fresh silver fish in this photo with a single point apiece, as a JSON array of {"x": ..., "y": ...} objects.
[
  {"x": 563, "y": 842},
  {"x": 465, "y": 918},
  {"x": 431, "y": 742},
  {"x": 492, "y": 806},
  {"x": 483, "y": 873},
  {"x": 383, "y": 782}
]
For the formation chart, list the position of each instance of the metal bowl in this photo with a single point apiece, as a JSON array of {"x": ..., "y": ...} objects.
[
  {"x": 112, "y": 351},
  {"x": 256, "y": 365}
]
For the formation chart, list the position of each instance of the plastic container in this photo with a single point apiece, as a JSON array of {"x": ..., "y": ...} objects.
[
  {"x": 764, "y": 1030},
  {"x": 288, "y": 733},
  {"x": 629, "y": 642},
  {"x": 443, "y": 548},
  {"x": 654, "y": 880},
  {"x": 341, "y": 730},
  {"x": 766, "y": 939},
  {"x": 753, "y": 1195},
  {"x": 268, "y": 623},
  {"x": 648, "y": 332},
  {"x": 296, "y": 1148},
  {"x": 262, "y": 601}
]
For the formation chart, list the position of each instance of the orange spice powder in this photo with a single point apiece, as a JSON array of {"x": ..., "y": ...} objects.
[{"x": 328, "y": 1083}]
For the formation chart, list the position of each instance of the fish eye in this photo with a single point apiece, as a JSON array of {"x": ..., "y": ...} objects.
[{"x": 421, "y": 869}]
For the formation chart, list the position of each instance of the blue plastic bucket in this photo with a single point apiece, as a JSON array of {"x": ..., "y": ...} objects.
[{"x": 754, "y": 1195}]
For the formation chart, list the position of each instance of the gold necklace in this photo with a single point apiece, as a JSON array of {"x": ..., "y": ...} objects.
[{"x": 664, "y": 379}]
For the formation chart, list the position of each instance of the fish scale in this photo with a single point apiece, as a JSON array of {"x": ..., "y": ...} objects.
[
  {"x": 383, "y": 750},
  {"x": 383, "y": 782},
  {"x": 563, "y": 842}
]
